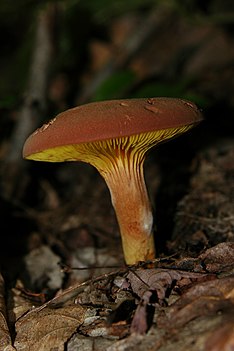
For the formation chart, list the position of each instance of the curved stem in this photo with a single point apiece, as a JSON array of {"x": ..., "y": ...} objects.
[{"x": 133, "y": 210}]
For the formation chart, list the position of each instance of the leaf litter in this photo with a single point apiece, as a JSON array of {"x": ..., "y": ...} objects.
[
  {"x": 161, "y": 302},
  {"x": 49, "y": 329}
]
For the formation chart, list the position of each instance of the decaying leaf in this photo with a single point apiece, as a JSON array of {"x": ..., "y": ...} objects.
[
  {"x": 21, "y": 303},
  {"x": 202, "y": 318},
  {"x": 88, "y": 344},
  {"x": 219, "y": 258},
  {"x": 48, "y": 329},
  {"x": 153, "y": 286},
  {"x": 5, "y": 338},
  {"x": 204, "y": 217},
  {"x": 222, "y": 338},
  {"x": 203, "y": 299}
]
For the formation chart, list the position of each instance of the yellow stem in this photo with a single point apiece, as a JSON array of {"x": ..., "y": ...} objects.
[{"x": 133, "y": 210}]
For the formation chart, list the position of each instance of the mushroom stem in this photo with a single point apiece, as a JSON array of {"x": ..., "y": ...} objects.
[{"x": 133, "y": 210}]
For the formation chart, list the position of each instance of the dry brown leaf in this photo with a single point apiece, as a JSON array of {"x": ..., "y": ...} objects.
[
  {"x": 48, "y": 329},
  {"x": 154, "y": 284},
  {"x": 204, "y": 217},
  {"x": 144, "y": 280},
  {"x": 219, "y": 258},
  {"x": 21, "y": 303},
  {"x": 5, "y": 338},
  {"x": 222, "y": 338},
  {"x": 203, "y": 299}
]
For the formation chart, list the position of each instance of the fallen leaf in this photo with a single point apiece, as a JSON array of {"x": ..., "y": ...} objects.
[
  {"x": 219, "y": 258},
  {"x": 208, "y": 298},
  {"x": 5, "y": 338},
  {"x": 21, "y": 302},
  {"x": 222, "y": 338},
  {"x": 204, "y": 216},
  {"x": 139, "y": 323},
  {"x": 48, "y": 329},
  {"x": 160, "y": 280},
  {"x": 152, "y": 286}
]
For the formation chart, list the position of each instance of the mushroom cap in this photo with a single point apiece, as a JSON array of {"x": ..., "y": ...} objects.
[{"x": 105, "y": 120}]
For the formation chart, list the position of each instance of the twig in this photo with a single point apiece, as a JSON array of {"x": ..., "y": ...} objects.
[
  {"x": 35, "y": 96},
  {"x": 34, "y": 103}
]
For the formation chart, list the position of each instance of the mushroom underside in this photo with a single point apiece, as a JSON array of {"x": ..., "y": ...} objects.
[{"x": 103, "y": 151}]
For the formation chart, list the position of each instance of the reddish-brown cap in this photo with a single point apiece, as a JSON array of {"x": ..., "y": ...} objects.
[{"x": 111, "y": 119}]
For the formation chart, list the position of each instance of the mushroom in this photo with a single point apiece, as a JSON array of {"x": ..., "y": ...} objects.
[{"x": 114, "y": 136}]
